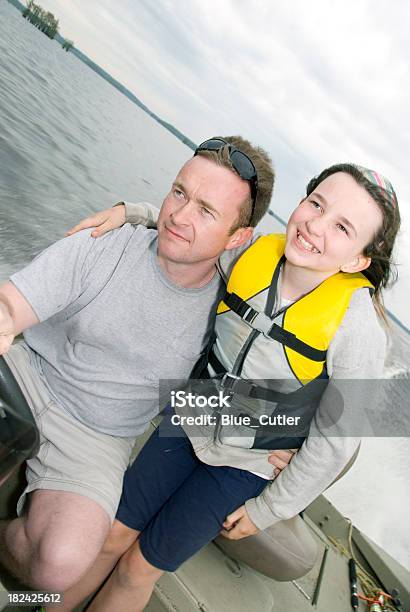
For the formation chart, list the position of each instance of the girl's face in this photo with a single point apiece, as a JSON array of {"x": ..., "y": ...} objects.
[{"x": 330, "y": 228}]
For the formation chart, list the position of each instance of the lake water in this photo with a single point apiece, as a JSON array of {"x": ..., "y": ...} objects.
[{"x": 71, "y": 144}]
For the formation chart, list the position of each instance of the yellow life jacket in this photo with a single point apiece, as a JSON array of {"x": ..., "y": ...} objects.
[
  {"x": 305, "y": 330},
  {"x": 310, "y": 323}
]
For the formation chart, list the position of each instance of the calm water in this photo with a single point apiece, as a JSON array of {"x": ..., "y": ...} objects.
[{"x": 71, "y": 144}]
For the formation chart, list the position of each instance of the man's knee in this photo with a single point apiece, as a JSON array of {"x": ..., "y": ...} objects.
[
  {"x": 65, "y": 534},
  {"x": 57, "y": 564},
  {"x": 134, "y": 570}
]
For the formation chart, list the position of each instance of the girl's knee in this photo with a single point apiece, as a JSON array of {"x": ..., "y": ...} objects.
[
  {"x": 119, "y": 539},
  {"x": 135, "y": 570}
]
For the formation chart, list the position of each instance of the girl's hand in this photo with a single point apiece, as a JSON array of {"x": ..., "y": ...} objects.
[
  {"x": 281, "y": 458},
  {"x": 103, "y": 221},
  {"x": 238, "y": 525}
]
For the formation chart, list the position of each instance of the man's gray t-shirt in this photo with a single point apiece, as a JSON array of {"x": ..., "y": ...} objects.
[{"x": 103, "y": 364}]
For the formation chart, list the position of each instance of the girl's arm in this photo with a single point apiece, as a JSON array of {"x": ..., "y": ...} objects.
[
  {"x": 355, "y": 362},
  {"x": 141, "y": 213},
  {"x": 144, "y": 213}
]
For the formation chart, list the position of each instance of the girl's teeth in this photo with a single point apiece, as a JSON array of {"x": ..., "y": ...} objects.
[{"x": 306, "y": 245}]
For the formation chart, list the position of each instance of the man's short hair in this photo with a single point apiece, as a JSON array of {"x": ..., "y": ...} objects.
[{"x": 266, "y": 177}]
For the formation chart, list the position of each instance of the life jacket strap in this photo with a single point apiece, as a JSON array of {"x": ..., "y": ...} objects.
[
  {"x": 291, "y": 341},
  {"x": 215, "y": 364},
  {"x": 266, "y": 325},
  {"x": 247, "y": 388}
]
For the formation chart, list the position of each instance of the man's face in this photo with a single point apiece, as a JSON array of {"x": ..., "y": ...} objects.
[{"x": 197, "y": 214}]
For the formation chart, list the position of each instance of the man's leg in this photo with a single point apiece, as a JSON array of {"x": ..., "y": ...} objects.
[
  {"x": 74, "y": 485},
  {"x": 57, "y": 541},
  {"x": 162, "y": 466},
  {"x": 117, "y": 543}
]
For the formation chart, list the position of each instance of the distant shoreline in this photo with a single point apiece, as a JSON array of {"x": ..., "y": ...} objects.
[
  {"x": 187, "y": 141},
  {"x": 121, "y": 88}
]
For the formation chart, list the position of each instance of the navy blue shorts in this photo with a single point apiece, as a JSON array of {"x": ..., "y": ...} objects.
[{"x": 177, "y": 502}]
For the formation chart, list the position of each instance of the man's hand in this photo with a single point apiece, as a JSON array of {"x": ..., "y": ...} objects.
[
  {"x": 7, "y": 331},
  {"x": 238, "y": 525},
  {"x": 103, "y": 221},
  {"x": 281, "y": 458}
]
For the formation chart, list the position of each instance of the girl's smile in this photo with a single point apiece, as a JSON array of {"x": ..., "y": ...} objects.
[
  {"x": 304, "y": 244},
  {"x": 330, "y": 229}
]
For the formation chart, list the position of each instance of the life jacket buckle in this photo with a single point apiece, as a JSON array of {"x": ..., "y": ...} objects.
[
  {"x": 236, "y": 384},
  {"x": 228, "y": 381},
  {"x": 261, "y": 322}
]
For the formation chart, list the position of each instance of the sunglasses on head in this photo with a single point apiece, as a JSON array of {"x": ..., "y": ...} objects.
[{"x": 243, "y": 164}]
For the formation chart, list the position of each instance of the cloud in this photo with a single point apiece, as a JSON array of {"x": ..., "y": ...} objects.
[{"x": 313, "y": 83}]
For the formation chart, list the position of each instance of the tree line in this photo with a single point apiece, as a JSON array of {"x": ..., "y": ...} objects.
[
  {"x": 67, "y": 44},
  {"x": 45, "y": 21}
]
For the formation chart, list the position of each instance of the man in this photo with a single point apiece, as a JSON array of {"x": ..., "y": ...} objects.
[{"x": 105, "y": 321}]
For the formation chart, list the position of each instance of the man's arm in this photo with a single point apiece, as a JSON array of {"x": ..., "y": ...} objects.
[{"x": 16, "y": 315}]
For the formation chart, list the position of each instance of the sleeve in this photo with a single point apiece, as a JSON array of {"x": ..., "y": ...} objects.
[
  {"x": 355, "y": 357},
  {"x": 144, "y": 213},
  {"x": 56, "y": 277},
  {"x": 141, "y": 213},
  {"x": 229, "y": 258}
]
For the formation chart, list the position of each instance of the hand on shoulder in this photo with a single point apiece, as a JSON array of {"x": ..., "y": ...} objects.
[{"x": 103, "y": 221}]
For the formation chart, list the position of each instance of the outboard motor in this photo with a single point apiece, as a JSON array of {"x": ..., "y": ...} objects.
[{"x": 19, "y": 436}]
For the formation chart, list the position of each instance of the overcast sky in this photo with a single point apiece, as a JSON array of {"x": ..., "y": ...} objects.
[{"x": 313, "y": 82}]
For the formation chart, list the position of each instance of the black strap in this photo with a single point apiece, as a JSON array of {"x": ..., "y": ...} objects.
[
  {"x": 300, "y": 397},
  {"x": 237, "y": 304},
  {"x": 200, "y": 369},
  {"x": 249, "y": 314},
  {"x": 270, "y": 302},
  {"x": 240, "y": 360},
  {"x": 247, "y": 388},
  {"x": 290, "y": 340},
  {"x": 216, "y": 365}
]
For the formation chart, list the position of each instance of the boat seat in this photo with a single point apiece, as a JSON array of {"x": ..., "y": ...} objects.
[{"x": 285, "y": 551}]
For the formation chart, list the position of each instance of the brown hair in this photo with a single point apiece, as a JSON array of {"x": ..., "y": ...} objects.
[
  {"x": 266, "y": 177},
  {"x": 382, "y": 271}
]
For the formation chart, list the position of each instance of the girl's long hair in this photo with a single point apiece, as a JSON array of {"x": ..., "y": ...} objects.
[{"x": 382, "y": 271}]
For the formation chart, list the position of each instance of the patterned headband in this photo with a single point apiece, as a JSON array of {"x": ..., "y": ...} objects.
[{"x": 380, "y": 181}]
